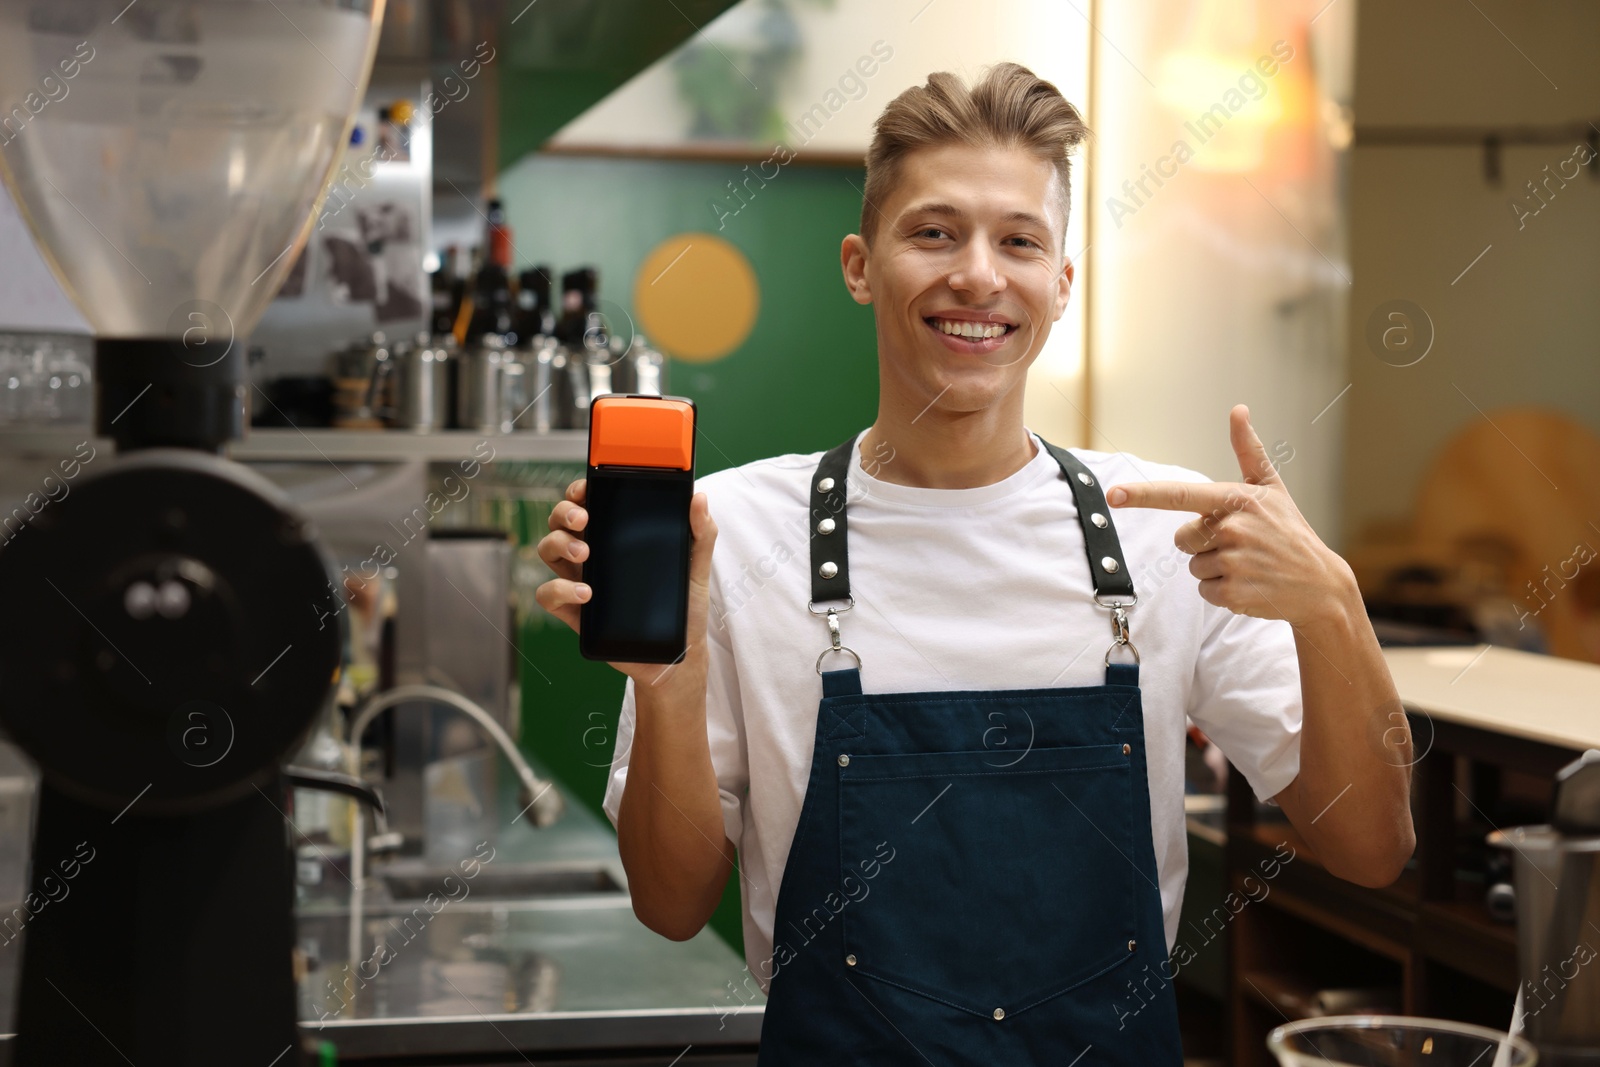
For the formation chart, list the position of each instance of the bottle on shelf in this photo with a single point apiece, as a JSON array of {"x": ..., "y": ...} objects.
[
  {"x": 578, "y": 299},
  {"x": 493, "y": 304},
  {"x": 466, "y": 309},
  {"x": 577, "y": 331},
  {"x": 534, "y": 317},
  {"x": 499, "y": 235},
  {"x": 447, "y": 289}
]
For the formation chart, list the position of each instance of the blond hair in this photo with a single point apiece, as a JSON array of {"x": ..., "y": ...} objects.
[{"x": 1011, "y": 107}]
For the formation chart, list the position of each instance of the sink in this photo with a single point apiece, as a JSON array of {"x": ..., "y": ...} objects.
[
  {"x": 503, "y": 881},
  {"x": 539, "y": 950}
]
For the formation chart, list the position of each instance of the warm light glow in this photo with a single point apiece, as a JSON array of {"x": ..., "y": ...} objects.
[
  {"x": 1224, "y": 104},
  {"x": 1192, "y": 83}
]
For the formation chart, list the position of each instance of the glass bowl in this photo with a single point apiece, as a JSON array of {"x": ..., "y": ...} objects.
[{"x": 1392, "y": 1041}]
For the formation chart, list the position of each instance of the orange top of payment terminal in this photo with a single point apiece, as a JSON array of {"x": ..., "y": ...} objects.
[{"x": 627, "y": 431}]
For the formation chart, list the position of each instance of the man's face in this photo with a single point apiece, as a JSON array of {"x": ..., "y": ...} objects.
[{"x": 966, "y": 274}]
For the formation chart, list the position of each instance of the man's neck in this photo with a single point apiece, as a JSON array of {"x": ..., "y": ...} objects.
[{"x": 938, "y": 451}]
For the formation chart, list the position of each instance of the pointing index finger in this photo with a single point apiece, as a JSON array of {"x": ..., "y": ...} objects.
[{"x": 1199, "y": 497}]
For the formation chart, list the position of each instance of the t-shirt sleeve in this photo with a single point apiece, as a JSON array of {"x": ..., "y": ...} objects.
[
  {"x": 1246, "y": 697},
  {"x": 724, "y": 732}
]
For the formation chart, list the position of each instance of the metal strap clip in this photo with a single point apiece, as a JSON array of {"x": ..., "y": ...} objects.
[
  {"x": 835, "y": 646},
  {"x": 1119, "y": 632},
  {"x": 811, "y": 606}
]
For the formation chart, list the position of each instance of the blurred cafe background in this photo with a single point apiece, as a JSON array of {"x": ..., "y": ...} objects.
[{"x": 1386, "y": 246}]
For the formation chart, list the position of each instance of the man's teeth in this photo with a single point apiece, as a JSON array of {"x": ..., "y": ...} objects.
[{"x": 968, "y": 328}]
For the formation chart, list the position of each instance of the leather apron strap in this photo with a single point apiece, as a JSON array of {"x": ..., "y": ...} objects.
[
  {"x": 830, "y": 550},
  {"x": 830, "y": 556}
]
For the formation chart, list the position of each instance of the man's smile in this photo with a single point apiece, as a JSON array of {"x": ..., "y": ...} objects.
[{"x": 971, "y": 335}]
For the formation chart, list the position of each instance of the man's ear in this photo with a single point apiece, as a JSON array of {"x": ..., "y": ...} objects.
[
  {"x": 1063, "y": 289},
  {"x": 853, "y": 261}
]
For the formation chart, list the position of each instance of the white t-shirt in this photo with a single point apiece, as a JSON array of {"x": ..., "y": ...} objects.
[{"x": 985, "y": 588}]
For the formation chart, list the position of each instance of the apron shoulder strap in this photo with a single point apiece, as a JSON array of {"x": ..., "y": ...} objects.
[
  {"x": 830, "y": 557},
  {"x": 828, "y": 517},
  {"x": 1107, "y": 567}
]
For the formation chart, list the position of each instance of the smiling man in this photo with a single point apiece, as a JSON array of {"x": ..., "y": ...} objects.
[{"x": 956, "y": 792}]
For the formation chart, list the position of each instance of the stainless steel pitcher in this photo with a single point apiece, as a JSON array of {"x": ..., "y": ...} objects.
[
  {"x": 1558, "y": 919},
  {"x": 480, "y": 382},
  {"x": 422, "y": 374}
]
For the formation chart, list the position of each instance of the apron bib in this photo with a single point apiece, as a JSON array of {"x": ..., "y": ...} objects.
[{"x": 951, "y": 900}]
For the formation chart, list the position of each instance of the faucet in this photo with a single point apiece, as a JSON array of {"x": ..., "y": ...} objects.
[
  {"x": 538, "y": 797},
  {"x": 356, "y": 788},
  {"x": 534, "y": 789}
]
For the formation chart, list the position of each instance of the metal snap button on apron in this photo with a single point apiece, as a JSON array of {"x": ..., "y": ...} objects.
[{"x": 1026, "y": 923}]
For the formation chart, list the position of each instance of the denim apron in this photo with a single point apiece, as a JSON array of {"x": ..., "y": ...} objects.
[{"x": 972, "y": 879}]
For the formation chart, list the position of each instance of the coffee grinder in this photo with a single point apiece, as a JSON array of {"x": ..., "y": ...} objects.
[{"x": 169, "y": 628}]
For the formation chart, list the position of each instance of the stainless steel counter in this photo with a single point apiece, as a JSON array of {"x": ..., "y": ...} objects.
[
  {"x": 528, "y": 944},
  {"x": 520, "y": 978},
  {"x": 536, "y": 953}
]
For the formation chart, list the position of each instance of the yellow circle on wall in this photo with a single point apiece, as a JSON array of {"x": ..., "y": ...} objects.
[{"x": 696, "y": 297}]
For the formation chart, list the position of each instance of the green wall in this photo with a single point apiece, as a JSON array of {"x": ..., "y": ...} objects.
[
  {"x": 804, "y": 380},
  {"x": 557, "y": 60}
]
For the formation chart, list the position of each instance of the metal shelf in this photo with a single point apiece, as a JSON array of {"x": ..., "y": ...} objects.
[
  {"x": 354, "y": 446},
  {"x": 377, "y": 446},
  {"x": 49, "y": 444}
]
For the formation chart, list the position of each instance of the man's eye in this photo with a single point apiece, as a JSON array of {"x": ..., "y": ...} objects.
[
  {"x": 1026, "y": 242},
  {"x": 929, "y": 232}
]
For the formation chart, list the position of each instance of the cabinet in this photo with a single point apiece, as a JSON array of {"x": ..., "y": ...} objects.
[{"x": 1486, "y": 723}]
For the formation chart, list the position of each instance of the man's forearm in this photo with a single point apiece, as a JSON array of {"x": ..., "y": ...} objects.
[
  {"x": 1351, "y": 800},
  {"x": 1255, "y": 554},
  {"x": 669, "y": 825}
]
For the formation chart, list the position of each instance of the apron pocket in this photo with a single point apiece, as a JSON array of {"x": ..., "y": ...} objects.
[{"x": 1006, "y": 885}]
